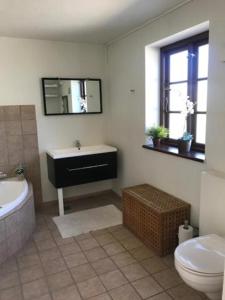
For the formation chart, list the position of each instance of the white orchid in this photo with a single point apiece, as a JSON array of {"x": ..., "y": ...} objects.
[{"x": 188, "y": 108}]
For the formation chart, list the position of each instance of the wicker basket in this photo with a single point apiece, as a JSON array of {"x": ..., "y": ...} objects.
[{"x": 154, "y": 216}]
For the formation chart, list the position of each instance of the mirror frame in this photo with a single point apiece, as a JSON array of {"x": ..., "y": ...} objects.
[{"x": 67, "y": 114}]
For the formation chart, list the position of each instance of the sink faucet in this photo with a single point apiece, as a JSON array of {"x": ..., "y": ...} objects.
[
  {"x": 2, "y": 175},
  {"x": 77, "y": 144}
]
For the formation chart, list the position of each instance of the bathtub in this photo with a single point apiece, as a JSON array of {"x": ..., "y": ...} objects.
[
  {"x": 12, "y": 193},
  {"x": 17, "y": 217}
]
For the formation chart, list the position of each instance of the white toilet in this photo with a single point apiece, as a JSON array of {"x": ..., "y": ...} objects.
[{"x": 200, "y": 263}]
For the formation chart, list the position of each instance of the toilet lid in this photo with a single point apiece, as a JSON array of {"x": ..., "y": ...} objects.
[{"x": 205, "y": 254}]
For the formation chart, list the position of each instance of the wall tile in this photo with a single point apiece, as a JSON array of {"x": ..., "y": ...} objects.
[
  {"x": 2, "y": 113},
  {"x": 12, "y": 113},
  {"x": 28, "y": 112},
  {"x": 30, "y": 141},
  {"x": 19, "y": 143},
  {"x": 15, "y": 149},
  {"x": 13, "y": 128},
  {"x": 29, "y": 127}
]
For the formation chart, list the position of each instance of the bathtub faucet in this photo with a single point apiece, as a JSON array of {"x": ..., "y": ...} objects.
[{"x": 2, "y": 175}]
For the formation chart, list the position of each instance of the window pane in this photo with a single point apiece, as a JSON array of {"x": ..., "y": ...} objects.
[
  {"x": 179, "y": 66},
  {"x": 176, "y": 126},
  {"x": 178, "y": 95},
  {"x": 202, "y": 95},
  {"x": 203, "y": 58},
  {"x": 201, "y": 129}
]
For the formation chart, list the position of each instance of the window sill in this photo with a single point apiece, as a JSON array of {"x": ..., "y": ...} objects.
[{"x": 171, "y": 150}]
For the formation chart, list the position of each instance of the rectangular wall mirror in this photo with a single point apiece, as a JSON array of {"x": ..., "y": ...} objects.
[{"x": 66, "y": 96}]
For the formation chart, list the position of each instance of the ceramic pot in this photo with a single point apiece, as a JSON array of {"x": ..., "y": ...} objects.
[{"x": 156, "y": 142}]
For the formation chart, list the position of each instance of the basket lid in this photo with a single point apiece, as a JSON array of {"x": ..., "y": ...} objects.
[{"x": 155, "y": 198}]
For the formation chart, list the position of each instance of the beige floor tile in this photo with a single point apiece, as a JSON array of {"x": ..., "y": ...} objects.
[
  {"x": 105, "y": 239},
  {"x": 101, "y": 297},
  {"x": 103, "y": 266},
  {"x": 45, "y": 244},
  {"x": 87, "y": 244},
  {"x": 50, "y": 254},
  {"x": 113, "y": 279},
  {"x": 122, "y": 233},
  {"x": 9, "y": 265},
  {"x": 134, "y": 272},
  {"x": 123, "y": 259},
  {"x": 183, "y": 292},
  {"x": 114, "y": 248},
  {"x": 83, "y": 272},
  {"x": 154, "y": 264},
  {"x": 83, "y": 236},
  {"x": 9, "y": 280},
  {"x": 167, "y": 278},
  {"x": 61, "y": 241},
  {"x": 69, "y": 248},
  {"x": 147, "y": 287},
  {"x": 141, "y": 253},
  {"x": 35, "y": 289},
  {"x": 99, "y": 232},
  {"x": 29, "y": 249},
  {"x": 42, "y": 235},
  {"x": 59, "y": 280},
  {"x": 54, "y": 266},
  {"x": 44, "y": 297},
  {"x": 28, "y": 260},
  {"x": 91, "y": 288},
  {"x": 161, "y": 296},
  {"x": 169, "y": 261},
  {"x": 14, "y": 293},
  {"x": 95, "y": 254},
  {"x": 131, "y": 243},
  {"x": 67, "y": 293},
  {"x": 31, "y": 273},
  {"x": 115, "y": 228},
  {"x": 125, "y": 292},
  {"x": 76, "y": 259}
]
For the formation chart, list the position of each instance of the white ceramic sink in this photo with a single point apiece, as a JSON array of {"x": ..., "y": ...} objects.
[{"x": 86, "y": 150}]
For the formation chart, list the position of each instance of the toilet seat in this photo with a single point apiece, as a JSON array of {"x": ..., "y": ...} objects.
[{"x": 203, "y": 256}]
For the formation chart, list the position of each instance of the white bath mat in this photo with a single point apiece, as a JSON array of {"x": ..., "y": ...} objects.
[{"x": 88, "y": 220}]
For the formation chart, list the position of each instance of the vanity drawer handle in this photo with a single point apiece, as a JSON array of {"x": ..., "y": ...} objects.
[{"x": 89, "y": 167}]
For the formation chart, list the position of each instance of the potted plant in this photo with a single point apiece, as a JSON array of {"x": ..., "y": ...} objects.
[
  {"x": 184, "y": 143},
  {"x": 157, "y": 133}
]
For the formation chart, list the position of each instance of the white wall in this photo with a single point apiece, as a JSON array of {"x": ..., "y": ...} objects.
[
  {"x": 126, "y": 112},
  {"x": 22, "y": 64}
]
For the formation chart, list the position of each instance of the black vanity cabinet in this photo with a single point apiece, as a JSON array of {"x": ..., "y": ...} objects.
[{"x": 69, "y": 171}]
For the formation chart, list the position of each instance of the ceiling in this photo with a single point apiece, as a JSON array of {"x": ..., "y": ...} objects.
[{"x": 98, "y": 21}]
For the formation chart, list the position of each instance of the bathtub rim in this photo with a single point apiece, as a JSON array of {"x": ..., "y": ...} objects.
[{"x": 29, "y": 190}]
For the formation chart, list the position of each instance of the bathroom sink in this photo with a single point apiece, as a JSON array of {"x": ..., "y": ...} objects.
[{"x": 86, "y": 150}]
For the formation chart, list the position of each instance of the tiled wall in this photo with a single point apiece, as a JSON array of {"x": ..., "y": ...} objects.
[{"x": 19, "y": 143}]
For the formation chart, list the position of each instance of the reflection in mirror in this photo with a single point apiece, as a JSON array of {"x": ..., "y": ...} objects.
[{"x": 71, "y": 96}]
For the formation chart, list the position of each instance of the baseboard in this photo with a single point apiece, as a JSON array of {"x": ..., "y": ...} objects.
[{"x": 53, "y": 203}]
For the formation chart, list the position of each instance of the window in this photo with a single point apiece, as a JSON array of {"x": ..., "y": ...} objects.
[{"x": 184, "y": 74}]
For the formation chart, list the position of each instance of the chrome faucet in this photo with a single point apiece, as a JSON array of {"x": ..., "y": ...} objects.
[
  {"x": 77, "y": 144},
  {"x": 2, "y": 175}
]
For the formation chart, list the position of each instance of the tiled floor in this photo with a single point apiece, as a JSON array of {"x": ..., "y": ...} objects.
[{"x": 110, "y": 264}]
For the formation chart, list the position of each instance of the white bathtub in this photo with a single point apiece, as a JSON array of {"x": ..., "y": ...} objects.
[{"x": 12, "y": 193}]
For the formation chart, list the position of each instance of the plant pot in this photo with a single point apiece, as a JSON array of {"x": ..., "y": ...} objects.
[
  {"x": 156, "y": 142},
  {"x": 184, "y": 146}
]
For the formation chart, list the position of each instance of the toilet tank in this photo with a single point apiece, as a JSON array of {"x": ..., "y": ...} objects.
[{"x": 212, "y": 203}]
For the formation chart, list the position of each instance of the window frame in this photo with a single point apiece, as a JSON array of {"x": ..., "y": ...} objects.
[{"x": 191, "y": 44}]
